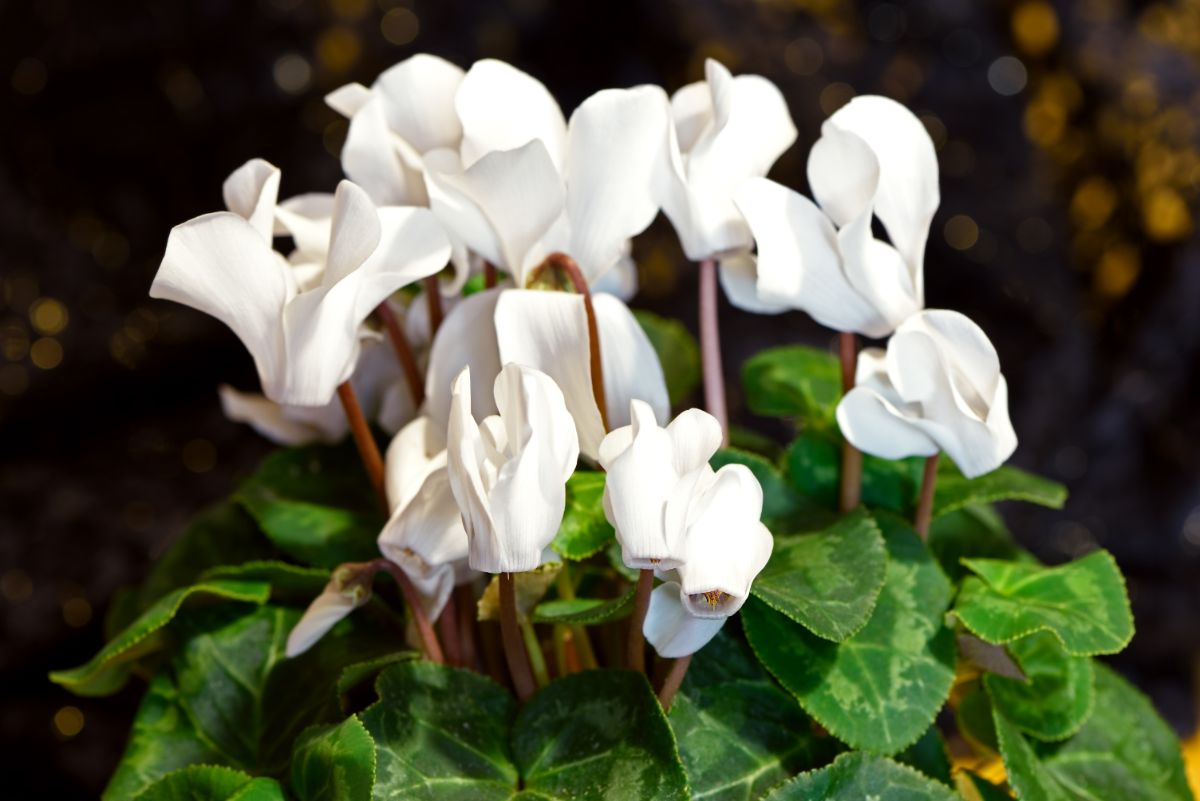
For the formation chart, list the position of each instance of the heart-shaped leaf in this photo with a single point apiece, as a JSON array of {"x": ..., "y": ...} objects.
[
  {"x": 784, "y": 510},
  {"x": 794, "y": 381},
  {"x": 211, "y": 783},
  {"x": 1057, "y": 698},
  {"x": 584, "y": 611},
  {"x": 857, "y": 777},
  {"x": 334, "y": 763},
  {"x": 954, "y": 491},
  {"x": 584, "y": 530}
]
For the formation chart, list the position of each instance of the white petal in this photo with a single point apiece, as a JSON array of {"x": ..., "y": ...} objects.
[
  {"x": 617, "y": 145},
  {"x": 251, "y": 191},
  {"x": 685, "y": 498},
  {"x": 696, "y": 436},
  {"x": 529, "y": 496},
  {"x": 371, "y": 158},
  {"x": 347, "y": 100},
  {"x": 739, "y": 279},
  {"x": 306, "y": 218},
  {"x": 621, "y": 280},
  {"x": 548, "y": 331},
  {"x": 502, "y": 108},
  {"x": 615, "y": 443},
  {"x": 419, "y": 101},
  {"x": 412, "y": 246},
  {"x": 691, "y": 113},
  {"x": 638, "y": 484},
  {"x": 972, "y": 363},
  {"x": 410, "y": 459},
  {"x": 875, "y": 425},
  {"x": 426, "y": 538},
  {"x": 844, "y": 175},
  {"x": 725, "y": 546},
  {"x": 877, "y": 271},
  {"x": 354, "y": 232},
  {"x": 326, "y": 610},
  {"x": 269, "y": 419},
  {"x": 798, "y": 261},
  {"x": 469, "y": 479},
  {"x": 671, "y": 629},
  {"x": 466, "y": 338},
  {"x": 501, "y": 205},
  {"x": 908, "y": 172},
  {"x": 630, "y": 363},
  {"x": 220, "y": 265}
]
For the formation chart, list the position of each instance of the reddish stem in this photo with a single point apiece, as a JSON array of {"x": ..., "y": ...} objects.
[
  {"x": 924, "y": 514},
  {"x": 674, "y": 678},
  {"x": 852, "y": 458},
  {"x": 465, "y": 607},
  {"x": 514, "y": 645},
  {"x": 710, "y": 347},
  {"x": 412, "y": 373},
  {"x": 368, "y": 450},
  {"x": 433, "y": 297},
  {"x": 448, "y": 627},
  {"x": 429, "y": 640},
  {"x": 636, "y": 648},
  {"x": 489, "y": 275}
]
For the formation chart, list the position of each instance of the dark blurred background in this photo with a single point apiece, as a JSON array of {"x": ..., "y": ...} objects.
[{"x": 1068, "y": 146}]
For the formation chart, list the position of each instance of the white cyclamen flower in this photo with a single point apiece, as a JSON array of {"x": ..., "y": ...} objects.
[
  {"x": 524, "y": 183},
  {"x": 509, "y": 472},
  {"x": 304, "y": 339},
  {"x": 726, "y": 130},
  {"x": 937, "y": 388},
  {"x": 874, "y": 159},
  {"x": 645, "y": 465},
  {"x": 425, "y": 534},
  {"x": 724, "y": 547},
  {"x": 548, "y": 331}
]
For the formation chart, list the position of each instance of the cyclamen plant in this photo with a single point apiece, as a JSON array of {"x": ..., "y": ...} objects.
[{"x": 470, "y": 616}]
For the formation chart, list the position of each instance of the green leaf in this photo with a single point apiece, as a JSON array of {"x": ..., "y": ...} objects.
[
  {"x": 163, "y": 740},
  {"x": 880, "y": 689},
  {"x": 334, "y": 763},
  {"x": 1083, "y": 603},
  {"x": 813, "y": 465},
  {"x": 440, "y": 733},
  {"x": 316, "y": 504},
  {"x": 289, "y": 583},
  {"x": 794, "y": 381},
  {"x": 746, "y": 439},
  {"x": 738, "y": 734},
  {"x": 928, "y": 755},
  {"x": 954, "y": 491},
  {"x": 677, "y": 352},
  {"x": 1124, "y": 752},
  {"x": 970, "y": 533},
  {"x": 358, "y": 674},
  {"x": 584, "y": 611},
  {"x": 784, "y": 509},
  {"x": 856, "y": 777},
  {"x": 598, "y": 735},
  {"x": 585, "y": 530},
  {"x": 1058, "y": 697},
  {"x": 108, "y": 670},
  {"x": 827, "y": 581},
  {"x": 211, "y": 783}
]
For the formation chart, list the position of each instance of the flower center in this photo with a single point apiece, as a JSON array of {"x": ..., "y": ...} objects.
[{"x": 714, "y": 597}]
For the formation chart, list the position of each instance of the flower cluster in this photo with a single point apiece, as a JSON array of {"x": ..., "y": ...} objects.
[{"x": 498, "y": 391}]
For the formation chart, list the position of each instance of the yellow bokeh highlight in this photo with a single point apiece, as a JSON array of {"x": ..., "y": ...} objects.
[
  {"x": 68, "y": 721},
  {"x": 835, "y": 95},
  {"x": 1165, "y": 215},
  {"x": 961, "y": 232},
  {"x": 1191, "y": 762},
  {"x": 1035, "y": 27},
  {"x": 1117, "y": 270},
  {"x": 46, "y": 353},
  {"x": 1093, "y": 203},
  {"x": 338, "y": 49},
  {"x": 48, "y": 315},
  {"x": 399, "y": 26}
]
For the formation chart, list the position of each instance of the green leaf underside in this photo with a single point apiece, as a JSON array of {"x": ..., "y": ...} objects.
[
  {"x": 794, "y": 381},
  {"x": 880, "y": 689},
  {"x": 954, "y": 491},
  {"x": 862, "y": 777},
  {"x": 315, "y": 504},
  {"x": 162, "y": 740},
  {"x": 584, "y": 611},
  {"x": 827, "y": 581},
  {"x": 108, "y": 670},
  {"x": 1058, "y": 697},
  {"x": 738, "y": 734},
  {"x": 585, "y": 530},
  {"x": 972, "y": 532},
  {"x": 445, "y": 733},
  {"x": 784, "y": 510},
  {"x": 1124, "y": 752},
  {"x": 677, "y": 352},
  {"x": 1083, "y": 603},
  {"x": 334, "y": 763},
  {"x": 211, "y": 783}
]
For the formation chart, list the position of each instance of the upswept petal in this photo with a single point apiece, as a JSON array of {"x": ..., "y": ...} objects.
[
  {"x": 691, "y": 113},
  {"x": 471, "y": 477},
  {"x": 326, "y": 610},
  {"x": 307, "y": 219},
  {"x": 725, "y": 545},
  {"x": 875, "y": 424},
  {"x": 275, "y": 423},
  {"x": 219, "y": 264},
  {"x": 354, "y": 232},
  {"x": 798, "y": 260},
  {"x": 371, "y": 158},
  {"x": 696, "y": 435},
  {"x": 844, "y": 175},
  {"x": 251, "y": 192},
  {"x": 548, "y": 331},
  {"x": 410, "y": 459},
  {"x": 617, "y": 146},
  {"x": 347, "y": 100},
  {"x": 466, "y": 338},
  {"x": 412, "y": 246},
  {"x": 503, "y": 108},
  {"x": 671, "y": 629},
  {"x": 972, "y": 364},
  {"x": 419, "y": 101},
  {"x": 740, "y": 280},
  {"x": 630, "y": 363},
  {"x": 908, "y": 192},
  {"x": 499, "y": 206},
  {"x": 877, "y": 271}
]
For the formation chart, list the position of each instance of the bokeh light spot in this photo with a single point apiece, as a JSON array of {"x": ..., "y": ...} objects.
[
  {"x": 338, "y": 49},
  {"x": 292, "y": 73},
  {"x": 399, "y": 26},
  {"x": 77, "y": 612},
  {"x": 1093, "y": 203},
  {"x": 199, "y": 456},
  {"x": 961, "y": 232},
  {"x": 48, "y": 315},
  {"x": 46, "y": 353},
  {"x": 1035, "y": 27},
  {"x": 1117, "y": 270},
  {"x": 16, "y": 586},
  {"x": 803, "y": 56},
  {"x": 68, "y": 721},
  {"x": 1165, "y": 215},
  {"x": 835, "y": 95},
  {"x": 1007, "y": 76}
]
